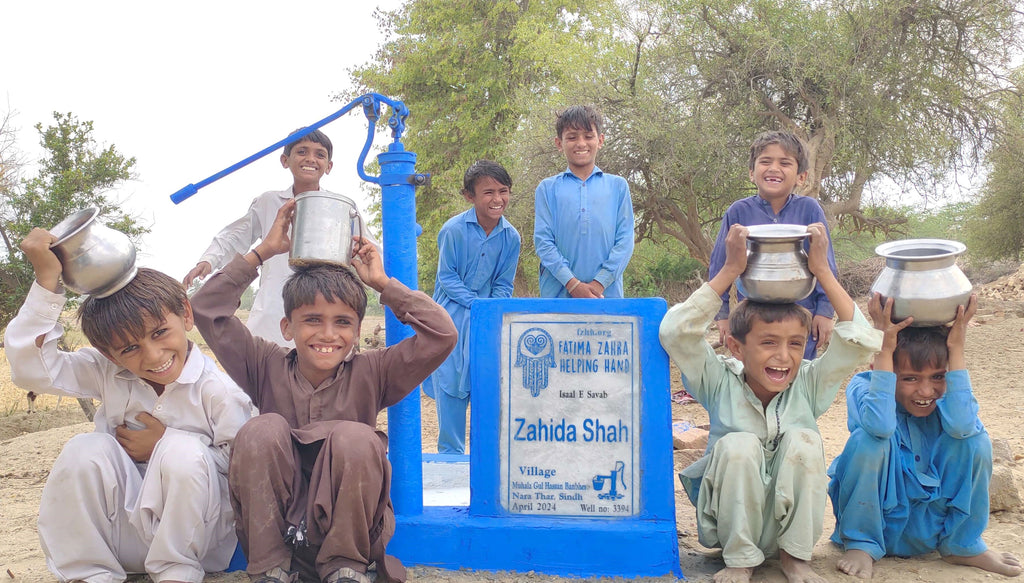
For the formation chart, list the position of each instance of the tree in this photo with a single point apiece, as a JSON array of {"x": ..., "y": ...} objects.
[
  {"x": 468, "y": 71},
  {"x": 995, "y": 226},
  {"x": 897, "y": 89},
  {"x": 74, "y": 173}
]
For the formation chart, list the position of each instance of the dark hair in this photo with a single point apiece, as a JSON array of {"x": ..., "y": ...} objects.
[
  {"x": 580, "y": 117},
  {"x": 121, "y": 316},
  {"x": 922, "y": 346},
  {"x": 315, "y": 136},
  {"x": 791, "y": 144},
  {"x": 480, "y": 169},
  {"x": 330, "y": 281},
  {"x": 742, "y": 318}
]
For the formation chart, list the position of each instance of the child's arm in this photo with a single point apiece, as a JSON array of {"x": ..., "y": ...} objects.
[
  {"x": 236, "y": 237},
  {"x": 958, "y": 407},
  {"x": 871, "y": 398},
  {"x": 821, "y": 325},
  {"x": 448, "y": 243},
  {"x": 817, "y": 262},
  {"x": 504, "y": 283},
  {"x": 622, "y": 249}
]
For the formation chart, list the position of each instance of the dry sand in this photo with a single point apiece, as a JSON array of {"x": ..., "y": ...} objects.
[{"x": 995, "y": 348}]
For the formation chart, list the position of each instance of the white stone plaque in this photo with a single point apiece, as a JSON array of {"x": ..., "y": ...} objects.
[{"x": 570, "y": 415}]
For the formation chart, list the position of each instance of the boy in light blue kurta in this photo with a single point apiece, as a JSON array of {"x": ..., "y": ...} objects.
[
  {"x": 478, "y": 255},
  {"x": 760, "y": 487},
  {"x": 914, "y": 475},
  {"x": 583, "y": 217}
]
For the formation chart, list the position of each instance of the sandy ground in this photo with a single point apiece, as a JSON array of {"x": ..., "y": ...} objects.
[{"x": 30, "y": 442}]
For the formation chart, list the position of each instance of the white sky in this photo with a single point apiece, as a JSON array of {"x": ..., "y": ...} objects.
[{"x": 189, "y": 88}]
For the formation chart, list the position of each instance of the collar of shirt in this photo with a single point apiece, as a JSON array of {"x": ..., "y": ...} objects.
[
  {"x": 767, "y": 206},
  {"x": 471, "y": 218},
  {"x": 595, "y": 172}
]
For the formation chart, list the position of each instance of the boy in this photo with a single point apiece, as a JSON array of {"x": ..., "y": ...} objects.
[
  {"x": 310, "y": 469},
  {"x": 914, "y": 475},
  {"x": 583, "y": 228},
  {"x": 760, "y": 487},
  {"x": 778, "y": 165},
  {"x": 479, "y": 252},
  {"x": 308, "y": 159},
  {"x": 147, "y": 491}
]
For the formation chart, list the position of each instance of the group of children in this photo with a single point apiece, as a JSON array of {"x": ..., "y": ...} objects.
[{"x": 181, "y": 467}]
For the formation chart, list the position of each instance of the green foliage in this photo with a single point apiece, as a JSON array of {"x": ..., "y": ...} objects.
[
  {"x": 995, "y": 227},
  {"x": 74, "y": 173},
  {"x": 247, "y": 299},
  {"x": 662, "y": 268}
]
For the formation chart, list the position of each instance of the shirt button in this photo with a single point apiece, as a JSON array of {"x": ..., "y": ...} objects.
[
  {"x": 54, "y": 307},
  {"x": 917, "y": 458}
]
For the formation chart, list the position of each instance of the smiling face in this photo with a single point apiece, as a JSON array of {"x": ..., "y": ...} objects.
[
  {"x": 771, "y": 354},
  {"x": 580, "y": 147},
  {"x": 308, "y": 162},
  {"x": 325, "y": 333},
  {"x": 918, "y": 389},
  {"x": 159, "y": 355},
  {"x": 776, "y": 175},
  {"x": 489, "y": 198}
]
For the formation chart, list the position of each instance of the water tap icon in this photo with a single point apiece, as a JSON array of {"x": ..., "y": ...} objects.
[{"x": 613, "y": 493}]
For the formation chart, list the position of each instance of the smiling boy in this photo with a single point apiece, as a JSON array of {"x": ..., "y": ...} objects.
[
  {"x": 310, "y": 469},
  {"x": 913, "y": 477},
  {"x": 147, "y": 491},
  {"x": 583, "y": 222},
  {"x": 778, "y": 166},
  {"x": 478, "y": 252},
  {"x": 760, "y": 487}
]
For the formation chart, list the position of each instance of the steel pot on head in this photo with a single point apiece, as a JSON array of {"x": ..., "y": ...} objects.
[
  {"x": 776, "y": 270},
  {"x": 922, "y": 278},
  {"x": 94, "y": 258},
  {"x": 323, "y": 227}
]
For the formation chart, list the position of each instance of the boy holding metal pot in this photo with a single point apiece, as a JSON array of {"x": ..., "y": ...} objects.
[
  {"x": 309, "y": 475},
  {"x": 913, "y": 477},
  {"x": 760, "y": 487},
  {"x": 147, "y": 491}
]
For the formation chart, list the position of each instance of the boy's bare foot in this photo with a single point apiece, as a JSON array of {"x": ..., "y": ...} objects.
[
  {"x": 798, "y": 570},
  {"x": 734, "y": 575},
  {"x": 994, "y": 561},
  {"x": 856, "y": 563}
]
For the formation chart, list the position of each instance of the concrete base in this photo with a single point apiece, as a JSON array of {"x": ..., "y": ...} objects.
[{"x": 445, "y": 479}]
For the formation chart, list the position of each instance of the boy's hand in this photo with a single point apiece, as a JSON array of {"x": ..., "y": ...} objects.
[
  {"x": 735, "y": 259},
  {"x": 588, "y": 289},
  {"x": 277, "y": 240},
  {"x": 36, "y": 247},
  {"x": 139, "y": 443},
  {"x": 368, "y": 263},
  {"x": 817, "y": 257},
  {"x": 821, "y": 329},
  {"x": 958, "y": 330},
  {"x": 201, "y": 270},
  {"x": 881, "y": 318},
  {"x": 723, "y": 330}
]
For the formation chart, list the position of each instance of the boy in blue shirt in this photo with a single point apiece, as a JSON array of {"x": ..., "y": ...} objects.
[
  {"x": 583, "y": 228},
  {"x": 914, "y": 475},
  {"x": 478, "y": 256},
  {"x": 778, "y": 165}
]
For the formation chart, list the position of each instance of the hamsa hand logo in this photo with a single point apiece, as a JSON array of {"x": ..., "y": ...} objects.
[{"x": 535, "y": 354}]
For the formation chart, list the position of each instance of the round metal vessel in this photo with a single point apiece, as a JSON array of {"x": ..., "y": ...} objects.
[
  {"x": 96, "y": 259},
  {"x": 325, "y": 223},
  {"x": 922, "y": 278},
  {"x": 776, "y": 270}
]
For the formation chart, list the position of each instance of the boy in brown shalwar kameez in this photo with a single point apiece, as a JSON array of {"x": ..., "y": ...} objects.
[{"x": 311, "y": 468}]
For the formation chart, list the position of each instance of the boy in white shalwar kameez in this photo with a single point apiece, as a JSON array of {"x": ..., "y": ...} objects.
[
  {"x": 147, "y": 491},
  {"x": 760, "y": 487}
]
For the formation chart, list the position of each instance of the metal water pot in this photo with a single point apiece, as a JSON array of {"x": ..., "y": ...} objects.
[
  {"x": 923, "y": 279},
  {"x": 325, "y": 223},
  {"x": 776, "y": 270},
  {"x": 94, "y": 258}
]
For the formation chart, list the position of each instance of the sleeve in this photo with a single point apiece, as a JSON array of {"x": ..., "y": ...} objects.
[
  {"x": 682, "y": 335},
  {"x": 718, "y": 260},
  {"x": 237, "y": 350},
  {"x": 228, "y": 409},
  {"x": 47, "y": 369},
  {"x": 237, "y": 237},
  {"x": 958, "y": 408},
  {"x": 544, "y": 227},
  {"x": 852, "y": 345},
  {"x": 450, "y": 239},
  {"x": 618, "y": 258},
  {"x": 871, "y": 403},
  {"x": 506, "y": 274},
  {"x": 822, "y": 305},
  {"x": 405, "y": 365}
]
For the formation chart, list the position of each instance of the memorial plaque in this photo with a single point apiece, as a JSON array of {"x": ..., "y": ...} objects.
[{"x": 570, "y": 411}]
